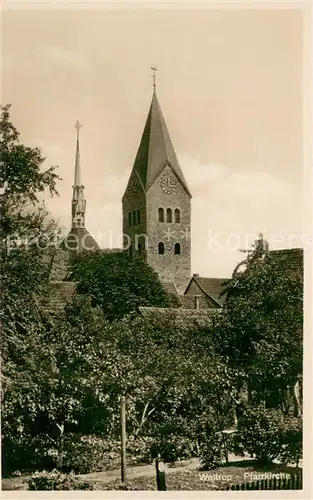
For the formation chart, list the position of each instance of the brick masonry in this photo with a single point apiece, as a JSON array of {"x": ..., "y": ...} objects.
[{"x": 170, "y": 267}]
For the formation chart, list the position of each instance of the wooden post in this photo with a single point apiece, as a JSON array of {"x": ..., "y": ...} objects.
[
  {"x": 123, "y": 440},
  {"x": 160, "y": 474},
  {"x": 226, "y": 448}
]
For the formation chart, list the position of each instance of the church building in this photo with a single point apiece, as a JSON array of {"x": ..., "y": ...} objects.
[
  {"x": 157, "y": 204},
  {"x": 156, "y": 210}
]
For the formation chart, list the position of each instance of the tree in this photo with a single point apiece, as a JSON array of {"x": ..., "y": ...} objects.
[
  {"x": 26, "y": 232},
  {"x": 26, "y": 229},
  {"x": 260, "y": 330},
  {"x": 64, "y": 371},
  {"x": 21, "y": 181},
  {"x": 118, "y": 282}
]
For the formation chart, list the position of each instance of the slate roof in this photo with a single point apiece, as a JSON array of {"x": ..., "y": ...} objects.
[
  {"x": 170, "y": 288},
  {"x": 171, "y": 292},
  {"x": 293, "y": 256},
  {"x": 156, "y": 149},
  {"x": 78, "y": 240},
  {"x": 181, "y": 316},
  {"x": 212, "y": 287},
  {"x": 189, "y": 302}
]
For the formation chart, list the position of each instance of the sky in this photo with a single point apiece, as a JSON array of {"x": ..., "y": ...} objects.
[{"x": 230, "y": 86}]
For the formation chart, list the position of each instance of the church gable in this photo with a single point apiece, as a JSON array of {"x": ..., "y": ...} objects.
[
  {"x": 209, "y": 288},
  {"x": 167, "y": 185},
  {"x": 135, "y": 187}
]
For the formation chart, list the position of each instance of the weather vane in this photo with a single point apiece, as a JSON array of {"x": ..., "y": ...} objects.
[
  {"x": 154, "y": 69},
  {"x": 78, "y": 126}
]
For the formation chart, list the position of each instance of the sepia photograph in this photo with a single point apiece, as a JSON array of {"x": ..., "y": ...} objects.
[{"x": 154, "y": 247}]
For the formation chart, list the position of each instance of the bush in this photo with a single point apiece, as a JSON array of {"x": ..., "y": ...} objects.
[
  {"x": 171, "y": 448},
  {"x": 211, "y": 451},
  {"x": 84, "y": 454},
  {"x": 28, "y": 452},
  {"x": 139, "y": 450},
  {"x": 268, "y": 434},
  {"x": 55, "y": 480},
  {"x": 80, "y": 454},
  {"x": 291, "y": 449}
]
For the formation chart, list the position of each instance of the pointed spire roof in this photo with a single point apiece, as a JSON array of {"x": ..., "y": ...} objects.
[
  {"x": 156, "y": 149},
  {"x": 77, "y": 173},
  {"x": 78, "y": 239},
  {"x": 78, "y": 199}
]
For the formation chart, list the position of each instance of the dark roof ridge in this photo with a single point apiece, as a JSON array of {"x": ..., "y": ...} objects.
[{"x": 206, "y": 293}]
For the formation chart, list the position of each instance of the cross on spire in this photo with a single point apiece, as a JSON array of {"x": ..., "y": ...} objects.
[
  {"x": 154, "y": 69},
  {"x": 78, "y": 126}
]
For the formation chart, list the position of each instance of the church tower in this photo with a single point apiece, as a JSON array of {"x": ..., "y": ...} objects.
[
  {"x": 157, "y": 204},
  {"x": 78, "y": 239}
]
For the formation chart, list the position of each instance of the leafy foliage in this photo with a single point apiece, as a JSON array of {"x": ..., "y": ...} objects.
[
  {"x": 118, "y": 282},
  {"x": 172, "y": 447},
  {"x": 260, "y": 331},
  {"x": 211, "y": 450},
  {"x": 63, "y": 374},
  {"x": 25, "y": 288},
  {"x": 55, "y": 480},
  {"x": 21, "y": 181},
  {"x": 168, "y": 386},
  {"x": 268, "y": 434}
]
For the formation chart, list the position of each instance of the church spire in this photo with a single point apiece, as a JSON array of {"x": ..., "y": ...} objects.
[
  {"x": 77, "y": 175},
  {"x": 157, "y": 201},
  {"x": 78, "y": 199},
  {"x": 156, "y": 150}
]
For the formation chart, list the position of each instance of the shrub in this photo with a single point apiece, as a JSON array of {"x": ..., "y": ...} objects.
[
  {"x": 55, "y": 480},
  {"x": 291, "y": 449},
  {"x": 268, "y": 434},
  {"x": 211, "y": 450},
  {"x": 171, "y": 448},
  {"x": 139, "y": 450},
  {"x": 80, "y": 454},
  {"x": 28, "y": 452},
  {"x": 173, "y": 438},
  {"x": 84, "y": 454}
]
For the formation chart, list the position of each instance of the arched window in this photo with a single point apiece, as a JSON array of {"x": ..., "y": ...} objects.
[
  {"x": 169, "y": 217},
  {"x": 177, "y": 215},
  {"x": 134, "y": 219},
  {"x": 138, "y": 216},
  {"x": 140, "y": 243},
  {"x": 161, "y": 248},
  {"x": 161, "y": 214},
  {"x": 177, "y": 249},
  {"x": 129, "y": 218}
]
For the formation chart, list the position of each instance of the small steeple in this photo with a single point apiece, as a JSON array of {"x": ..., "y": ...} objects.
[
  {"x": 78, "y": 200},
  {"x": 154, "y": 69}
]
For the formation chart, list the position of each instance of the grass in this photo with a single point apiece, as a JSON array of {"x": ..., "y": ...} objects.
[
  {"x": 185, "y": 478},
  {"x": 195, "y": 480}
]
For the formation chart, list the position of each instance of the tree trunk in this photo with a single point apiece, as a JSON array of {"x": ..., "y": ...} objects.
[{"x": 296, "y": 399}]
